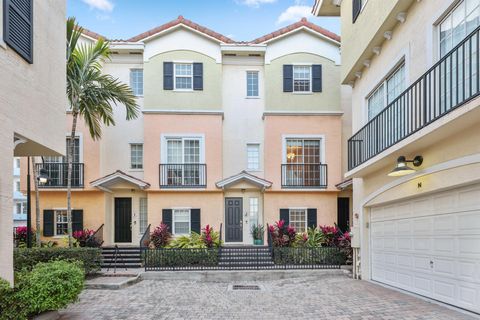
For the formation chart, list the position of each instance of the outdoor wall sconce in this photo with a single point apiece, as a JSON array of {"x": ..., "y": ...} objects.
[
  {"x": 42, "y": 176},
  {"x": 401, "y": 169}
]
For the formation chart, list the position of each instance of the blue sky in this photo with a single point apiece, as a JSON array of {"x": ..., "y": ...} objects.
[{"x": 238, "y": 19}]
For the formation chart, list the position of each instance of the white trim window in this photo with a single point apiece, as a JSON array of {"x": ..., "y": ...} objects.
[
  {"x": 136, "y": 81},
  {"x": 459, "y": 22},
  {"x": 181, "y": 221},
  {"x": 183, "y": 76},
  {"x": 303, "y": 150},
  {"x": 253, "y": 204},
  {"x": 61, "y": 222},
  {"x": 252, "y": 84},
  {"x": 253, "y": 156},
  {"x": 298, "y": 219},
  {"x": 386, "y": 92},
  {"x": 302, "y": 78},
  {"x": 17, "y": 185},
  {"x": 21, "y": 208},
  {"x": 143, "y": 214},
  {"x": 136, "y": 156},
  {"x": 303, "y": 157}
]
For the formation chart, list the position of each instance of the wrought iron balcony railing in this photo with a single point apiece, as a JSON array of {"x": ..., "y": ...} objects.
[
  {"x": 57, "y": 174},
  {"x": 187, "y": 175},
  {"x": 447, "y": 85},
  {"x": 304, "y": 176}
]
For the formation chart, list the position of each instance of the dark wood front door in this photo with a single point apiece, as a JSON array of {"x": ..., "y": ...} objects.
[
  {"x": 343, "y": 213},
  {"x": 233, "y": 220},
  {"x": 123, "y": 219}
]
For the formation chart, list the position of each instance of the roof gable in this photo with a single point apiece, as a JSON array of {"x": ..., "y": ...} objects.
[
  {"x": 118, "y": 177},
  {"x": 244, "y": 176}
]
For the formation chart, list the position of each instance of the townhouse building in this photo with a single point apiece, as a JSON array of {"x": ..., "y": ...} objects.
[
  {"x": 414, "y": 154},
  {"x": 19, "y": 199},
  {"x": 231, "y": 134},
  {"x": 32, "y": 97}
]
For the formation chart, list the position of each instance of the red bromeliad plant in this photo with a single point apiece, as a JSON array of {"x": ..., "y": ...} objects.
[
  {"x": 82, "y": 236},
  {"x": 160, "y": 237},
  {"x": 282, "y": 234},
  {"x": 207, "y": 236},
  {"x": 21, "y": 235},
  {"x": 331, "y": 235}
]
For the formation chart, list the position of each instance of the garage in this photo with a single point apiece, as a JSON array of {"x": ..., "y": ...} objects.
[{"x": 430, "y": 245}]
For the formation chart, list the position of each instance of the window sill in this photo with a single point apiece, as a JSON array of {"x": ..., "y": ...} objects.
[
  {"x": 60, "y": 237},
  {"x": 135, "y": 170},
  {"x": 3, "y": 44},
  {"x": 183, "y": 90},
  {"x": 302, "y": 93},
  {"x": 257, "y": 97}
]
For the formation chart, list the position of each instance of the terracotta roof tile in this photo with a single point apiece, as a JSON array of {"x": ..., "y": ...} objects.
[
  {"x": 302, "y": 23},
  {"x": 188, "y": 23}
]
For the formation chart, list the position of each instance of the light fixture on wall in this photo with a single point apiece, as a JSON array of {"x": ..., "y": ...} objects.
[
  {"x": 401, "y": 169},
  {"x": 42, "y": 176},
  {"x": 290, "y": 155}
]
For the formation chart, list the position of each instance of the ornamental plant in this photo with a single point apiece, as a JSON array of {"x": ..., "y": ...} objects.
[
  {"x": 160, "y": 237},
  {"x": 282, "y": 234},
  {"x": 312, "y": 238},
  {"x": 331, "y": 235},
  {"x": 21, "y": 236},
  {"x": 207, "y": 236},
  {"x": 83, "y": 236}
]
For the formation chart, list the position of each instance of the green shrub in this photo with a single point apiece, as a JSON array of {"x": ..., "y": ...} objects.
[
  {"x": 50, "y": 286},
  {"x": 27, "y": 258},
  {"x": 10, "y": 306},
  {"x": 180, "y": 257}
]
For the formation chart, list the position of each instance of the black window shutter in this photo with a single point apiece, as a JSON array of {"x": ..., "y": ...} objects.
[
  {"x": 312, "y": 218},
  {"x": 168, "y": 76},
  {"x": 285, "y": 216},
  {"x": 198, "y": 76},
  {"x": 48, "y": 218},
  {"x": 287, "y": 78},
  {"x": 317, "y": 78},
  {"x": 167, "y": 219},
  {"x": 18, "y": 24},
  {"x": 356, "y": 8},
  {"x": 195, "y": 220},
  {"x": 77, "y": 220}
]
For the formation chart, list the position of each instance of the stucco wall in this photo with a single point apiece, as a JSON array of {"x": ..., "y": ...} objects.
[
  {"x": 276, "y": 127},
  {"x": 327, "y": 100},
  {"x": 242, "y": 122},
  {"x": 210, "y": 98},
  {"x": 325, "y": 203},
  {"x": 208, "y": 125},
  {"x": 209, "y": 203},
  {"x": 32, "y": 104}
]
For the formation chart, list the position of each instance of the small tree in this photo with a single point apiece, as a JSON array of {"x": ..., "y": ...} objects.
[{"x": 91, "y": 95}]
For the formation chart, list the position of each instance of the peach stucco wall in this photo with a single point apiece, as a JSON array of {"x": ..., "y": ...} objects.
[
  {"x": 209, "y": 203},
  {"x": 92, "y": 203},
  {"x": 325, "y": 203},
  {"x": 157, "y": 124},
  {"x": 278, "y": 126}
]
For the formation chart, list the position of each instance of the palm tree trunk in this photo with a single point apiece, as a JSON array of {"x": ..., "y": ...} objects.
[
  {"x": 37, "y": 205},
  {"x": 70, "y": 145}
]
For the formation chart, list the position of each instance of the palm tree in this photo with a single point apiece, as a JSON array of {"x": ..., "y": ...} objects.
[{"x": 91, "y": 94}]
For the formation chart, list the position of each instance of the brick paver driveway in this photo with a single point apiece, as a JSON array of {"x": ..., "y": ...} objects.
[{"x": 326, "y": 296}]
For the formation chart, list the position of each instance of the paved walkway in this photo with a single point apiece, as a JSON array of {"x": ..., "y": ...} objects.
[{"x": 322, "y": 297}]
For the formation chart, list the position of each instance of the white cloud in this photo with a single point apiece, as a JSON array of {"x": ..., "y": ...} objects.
[
  {"x": 255, "y": 3},
  {"x": 294, "y": 13},
  {"x": 103, "y": 5}
]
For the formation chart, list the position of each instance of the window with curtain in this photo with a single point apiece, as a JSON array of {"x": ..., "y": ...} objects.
[{"x": 181, "y": 221}]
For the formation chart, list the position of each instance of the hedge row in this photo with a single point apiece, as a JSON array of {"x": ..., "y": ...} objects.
[{"x": 26, "y": 259}]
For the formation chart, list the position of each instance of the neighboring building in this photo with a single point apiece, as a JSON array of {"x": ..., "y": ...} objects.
[
  {"x": 19, "y": 199},
  {"x": 414, "y": 69},
  {"x": 32, "y": 96},
  {"x": 231, "y": 133}
]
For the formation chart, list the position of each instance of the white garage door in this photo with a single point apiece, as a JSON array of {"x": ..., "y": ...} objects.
[{"x": 430, "y": 246}]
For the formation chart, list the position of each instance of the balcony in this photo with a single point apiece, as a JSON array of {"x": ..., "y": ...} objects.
[
  {"x": 450, "y": 83},
  {"x": 188, "y": 175},
  {"x": 57, "y": 173},
  {"x": 304, "y": 176}
]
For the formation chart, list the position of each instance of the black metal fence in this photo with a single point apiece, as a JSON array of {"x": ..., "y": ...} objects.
[
  {"x": 189, "y": 175},
  {"x": 308, "y": 258},
  {"x": 448, "y": 84},
  {"x": 58, "y": 174},
  {"x": 304, "y": 175},
  {"x": 180, "y": 259}
]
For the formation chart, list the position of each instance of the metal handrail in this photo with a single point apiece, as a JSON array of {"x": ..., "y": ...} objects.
[
  {"x": 97, "y": 236},
  {"x": 183, "y": 175},
  {"x": 441, "y": 89},
  {"x": 58, "y": 174},
  {"x": 304, "y": 175}
]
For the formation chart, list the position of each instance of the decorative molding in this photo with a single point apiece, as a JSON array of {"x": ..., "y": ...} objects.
[
  {"x": 184, "y": 112},
  {"x": 358, "y": 74},
  {"x": 402, "y": 17},
  {"x": 388, "y": 35},
  {"x": 377, "y": 50},
  {"x": 302, "y": 113},
  {"x": 366, "y": 63}
]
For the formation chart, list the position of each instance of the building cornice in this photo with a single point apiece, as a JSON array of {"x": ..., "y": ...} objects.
[
  {"x": 301, "y": 113},
  {"x": 184, "y": 112}
]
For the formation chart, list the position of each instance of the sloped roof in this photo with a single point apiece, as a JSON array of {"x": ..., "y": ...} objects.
[
  {"x": 244, "y": 176},
  {"x": 297, "y": 25},
  {"x": 119, "y": 175},
  {"x": 185, "y": 22}
]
